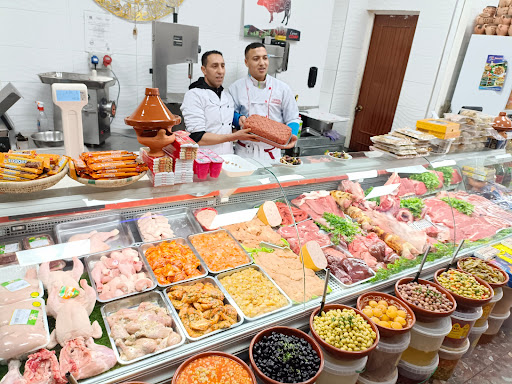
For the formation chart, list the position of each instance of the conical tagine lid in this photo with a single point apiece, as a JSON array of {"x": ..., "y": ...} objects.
[{"x": 152, "y": 113}]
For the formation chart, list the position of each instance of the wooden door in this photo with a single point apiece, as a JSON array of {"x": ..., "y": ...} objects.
[{"x": 388, "y": 55}]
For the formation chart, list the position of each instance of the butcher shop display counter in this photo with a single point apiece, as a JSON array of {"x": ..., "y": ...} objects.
[{"x": 176, "y": 257}]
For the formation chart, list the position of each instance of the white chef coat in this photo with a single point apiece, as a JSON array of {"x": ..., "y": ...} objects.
[
  {"x": 203, "y": 110},
  {"x": 275, "y": 100}
]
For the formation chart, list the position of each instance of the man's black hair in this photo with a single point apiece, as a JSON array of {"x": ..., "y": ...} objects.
[
  {"x": 253, "y": 46},
  {"x": 204, "y": 58}
]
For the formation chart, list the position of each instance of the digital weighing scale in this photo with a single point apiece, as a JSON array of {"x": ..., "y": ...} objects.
[{"x": 71, "y": 98}]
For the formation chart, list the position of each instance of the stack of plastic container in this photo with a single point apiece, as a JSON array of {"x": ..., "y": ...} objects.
[
  {"x": 474, "y": 337},
  {"x": 341, "y": 371}
]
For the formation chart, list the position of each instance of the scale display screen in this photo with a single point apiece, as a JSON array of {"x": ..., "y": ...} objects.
[{"x": 67, "y": 95}]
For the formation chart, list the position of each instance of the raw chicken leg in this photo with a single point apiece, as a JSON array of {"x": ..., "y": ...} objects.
[
  {"x": 97, "y": 239},
  {"x": 83, "y": 358},
  {"x": 14, "y": 375},
  {"x": 42, "y": 367}
]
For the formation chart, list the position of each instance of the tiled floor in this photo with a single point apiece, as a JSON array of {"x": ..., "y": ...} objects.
[{"x": 489, "y": 364}]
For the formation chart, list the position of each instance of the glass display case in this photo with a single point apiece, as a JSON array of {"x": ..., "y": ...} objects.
[{"x": 377, "y": 212}]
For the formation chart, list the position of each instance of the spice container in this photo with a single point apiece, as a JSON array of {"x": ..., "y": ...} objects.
[
  {"x": 448, "y": 360},
  {"x": 495, "y": 323},
  {"x": 474, "y": 337},
  {"x": 414, "y": 374},
  {"x": 487, "y": 308},
  {"x": 383, "y": 360},
  {"x": 363, "y": 380},
  {"x": 503, "y": 306},
  {"x": 463, "y": 320},
  {"x": 341, "y": 371},
  {"x": 426, "y": 339}
]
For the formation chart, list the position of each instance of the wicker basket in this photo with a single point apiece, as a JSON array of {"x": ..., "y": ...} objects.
[
  {"x": 30, "y": 186},
  {"x": 110, "y": 183}
]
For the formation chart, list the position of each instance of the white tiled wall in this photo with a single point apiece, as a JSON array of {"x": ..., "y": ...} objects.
[
  {"x": 43, "y": 36},
  {"x": 435, "y": 18}
]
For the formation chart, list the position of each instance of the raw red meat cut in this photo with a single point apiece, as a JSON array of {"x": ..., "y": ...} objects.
[
  {"x": 42, "y": 367},
  {"x": 406, "y": 186},
  {"x": 389, "y": 203},
  {"x": 346, "y": 268},
  {"x": 419, "y": 187},
  {"x": 404, "y": 215},
  {"x": 370, "y": 249},
  {"x": 353, "y": 188},
  {"x": 356, "y": 269},
  {"x": 456, "y": 177},
  {"x": 316, "y": 203},
  {"x": 308, "y": 231},
  {"x": 298, "y": 214}
]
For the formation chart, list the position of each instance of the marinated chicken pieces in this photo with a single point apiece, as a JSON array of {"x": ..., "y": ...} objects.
[
  {"x": 201, "y": 308},
  {"x": 172, "y": 262},
  {"x": 143, "y": 330}
]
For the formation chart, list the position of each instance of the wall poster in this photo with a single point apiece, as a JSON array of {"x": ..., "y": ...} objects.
[
  {"x": 275, "y": 18},
  {"x": 494, "y": 74}
]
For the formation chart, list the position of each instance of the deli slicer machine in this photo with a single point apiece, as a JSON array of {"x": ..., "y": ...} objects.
[
  {"x": 9, "y": 95},
  {"x": 96, "y": 115}
]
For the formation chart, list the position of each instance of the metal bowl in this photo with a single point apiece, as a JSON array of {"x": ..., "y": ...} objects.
[{"x": 48, "y": 139}]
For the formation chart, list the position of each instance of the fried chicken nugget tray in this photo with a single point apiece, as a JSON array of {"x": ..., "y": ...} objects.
[
  {"x": 227, "y": 300},
  {"x": 123, "y": 239},
  {"x": 155, "y": 297},
  {"x": 202, "y": 266},
  {"x": 91, "y": 260},
  {"x": 182, "y": 221}
]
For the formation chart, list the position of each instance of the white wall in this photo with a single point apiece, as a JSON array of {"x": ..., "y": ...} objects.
[
  {"x": 435, "y": 18},
  {"x": 43, "y": 36}
]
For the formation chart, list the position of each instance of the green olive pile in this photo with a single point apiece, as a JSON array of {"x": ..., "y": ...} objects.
[
  {"x": 463, "y": 284},
  {"x": 345, "y": 330},
  {"x": 483, "y": 270}
]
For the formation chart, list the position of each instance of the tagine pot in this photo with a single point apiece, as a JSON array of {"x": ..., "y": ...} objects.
[
  {"x": 479, "y": 29},
  {"x": 502, "y": 122},
  {"x": 153, "y": 123},
  {"x": 502, "y": 30}
]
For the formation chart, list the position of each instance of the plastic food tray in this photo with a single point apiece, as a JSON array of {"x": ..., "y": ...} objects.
[
  {"x": 249, "y": 259},
  {"x": 13, "y": 272},
  {"x": 202, "y": 266},
  {"x": 256, "y": 267},
  {"x": 42, "y": 307},
  {"x": 182, "y": 222},
  {"x": 236, "y": 166},
  {"x": 91, "y": 260},
  {"x": 227, "y": 300},
  {"x": 108, "y": 223},
  {"x": 270, "y": 142},
  {"x": 155, "y": 297}
]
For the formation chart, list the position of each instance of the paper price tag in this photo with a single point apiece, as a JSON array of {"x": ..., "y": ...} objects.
[
  {"x": 15, "y": 285},
  {"x": 362, "y": 175},
  {"x": 504, "y": 156},
  {"x": 54, "y": 252},
  {"x": 382, "y": 191},
  {"x": 411, "y": 169},
  {"x": 9, "y": 248},
  {"x": 24, "y": 317},
  {"x": 233, "y": 217},
  {"x": 281, "y": 178},
  {"x": 444, "y": 163}
]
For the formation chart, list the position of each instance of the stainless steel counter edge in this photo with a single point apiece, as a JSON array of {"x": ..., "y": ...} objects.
[{"x": 160, "y": 368}]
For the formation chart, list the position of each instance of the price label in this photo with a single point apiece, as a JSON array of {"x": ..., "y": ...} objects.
[
  {"x": 362, "y": 175},
  {"x": 382, "y": 190},
  {"x": 54, "y": 252},
  {"x": 444, "y": 163}
]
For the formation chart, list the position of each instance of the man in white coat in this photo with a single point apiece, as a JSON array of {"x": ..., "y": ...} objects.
[
  {"x": 208, "y": 109},
  {"x": 261, "y": 94}
]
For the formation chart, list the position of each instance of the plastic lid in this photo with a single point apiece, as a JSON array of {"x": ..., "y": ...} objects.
[
  {"x": 499, "y": 317},
  {"x": 364, "y": 380},
  {"x": 343, "y": 367},
  {"x": 419, "y": 369},
  {"x": 394, "y": 344},
  {"x": 482, "y": 329},
  {"x": 438, "y": 328},
  {"x": 469, "y": 315},
  {"x": 498, "y": 295},
  {"x": 454, "y": 353}
]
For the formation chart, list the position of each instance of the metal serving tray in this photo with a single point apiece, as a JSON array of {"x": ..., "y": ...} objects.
[
  {"x": 258, "y": 268},
  {"x": 91, "y": 260},
  {"x": 227, "y": 300},
  {"x": 182, "y": 221},
  {"x": 202, "y": 266},
  {"x": 108, "y": 223},
  {"x": 249, "y": 259},
  {"x": 134, "y": 301}
]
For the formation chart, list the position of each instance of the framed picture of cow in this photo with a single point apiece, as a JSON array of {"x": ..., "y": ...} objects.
[{"x": 279, "y": 19}]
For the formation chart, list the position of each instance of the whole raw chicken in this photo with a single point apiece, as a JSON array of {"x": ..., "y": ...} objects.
[
  {"x": 97, "y": 239},
  {"x": 13, "y": 376},
  {"x": 83, "y": 358},
  {"x": 69, "y": 303}
]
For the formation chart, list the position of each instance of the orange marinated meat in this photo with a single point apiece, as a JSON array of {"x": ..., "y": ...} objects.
[
  {"x": 214, "y": 370},
  {"x": 219, "y": 250},
  {"x": 172, "y": 262}
]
